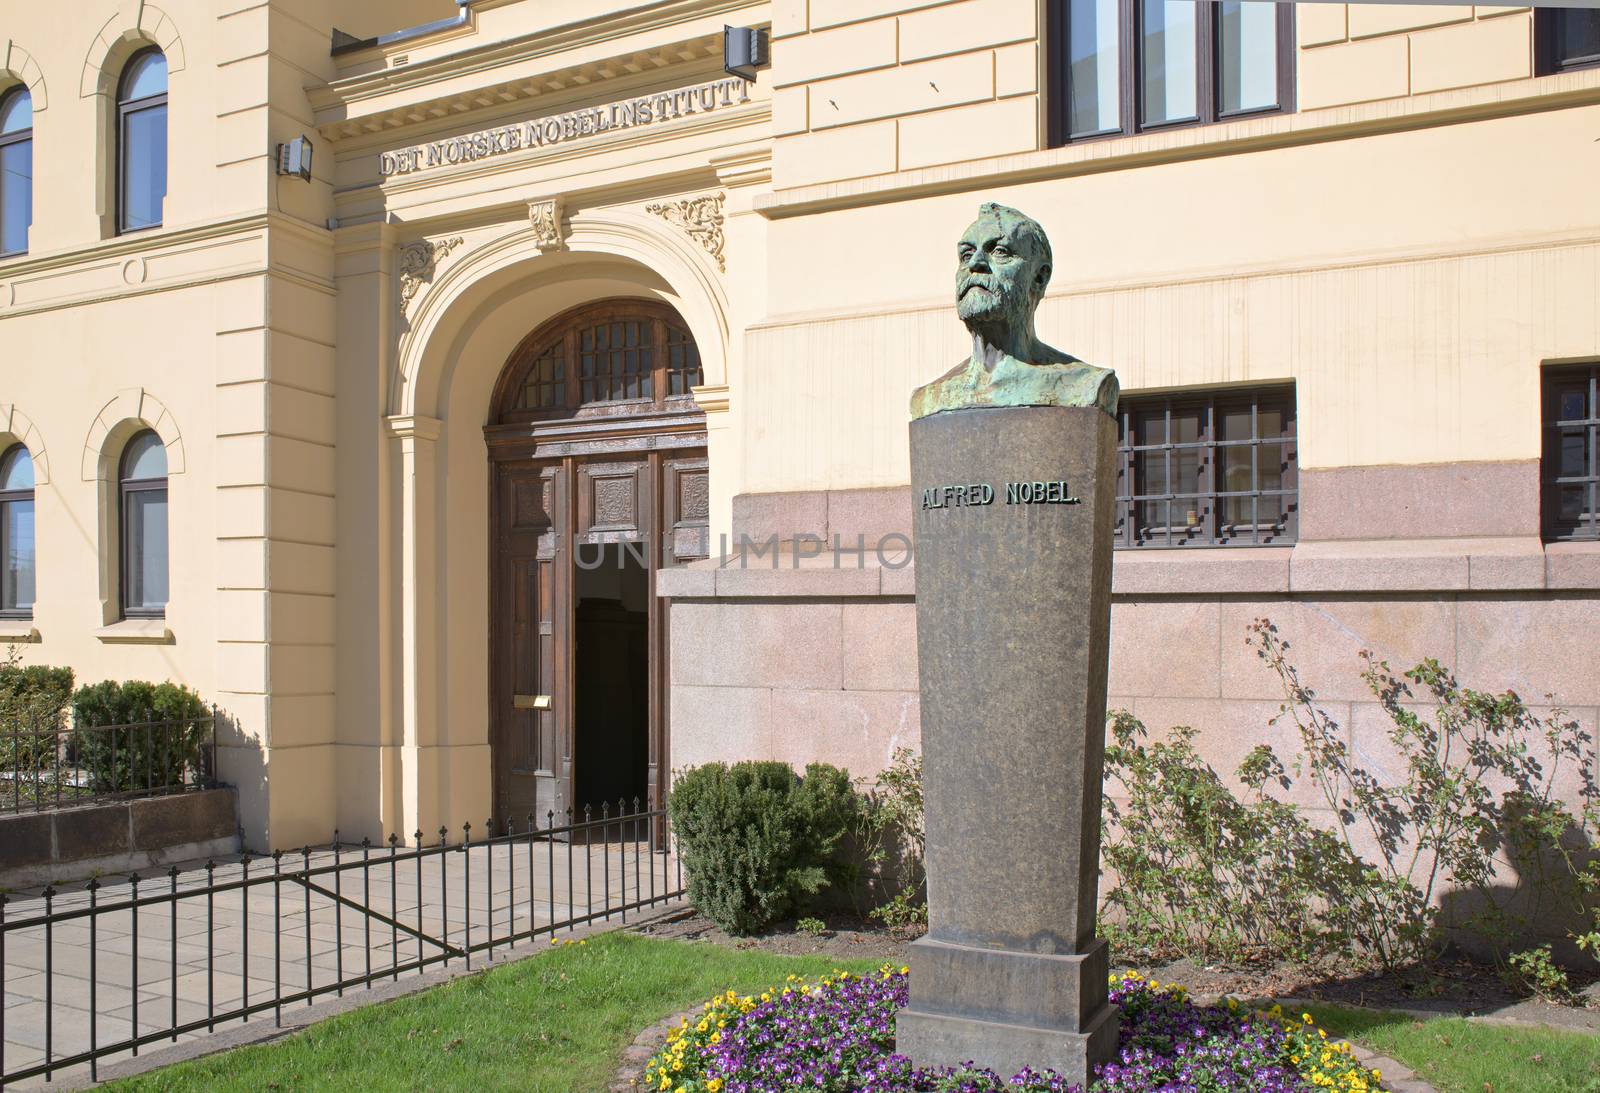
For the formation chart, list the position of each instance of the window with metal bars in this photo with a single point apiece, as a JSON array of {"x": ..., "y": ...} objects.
[
  {"x": 1212, "y": 468},
  {"x": 1571, "y": 463},
  {"x": 605, "y": 353},
  {"x": 615, "y": 361}
]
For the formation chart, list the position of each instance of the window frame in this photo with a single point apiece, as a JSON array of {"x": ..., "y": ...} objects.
[
  {"x": 1130, "y": 87},
  {"x": 1550, "y": 427},
  {"x": 666, "y": 329},
  {"x": 126, "y": 107},
  {"x": 9, "y": 497},
  {"x": 126, "y": 488},
  {"x": 7, "y": 140},
  {"x": 1546, "y": 59},
  {"x": 1210, "y": 400}
]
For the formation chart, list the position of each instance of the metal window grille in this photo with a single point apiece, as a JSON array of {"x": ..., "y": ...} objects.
[
  {"x": 616, "y": 361},
  {"x": 1209, "y": 469},
  {"x": 121, "y": 964},
  {"x": 1571, "y": 464},
  {"x": 546, "y": 385},
  {"x": 683, "y": 362}
]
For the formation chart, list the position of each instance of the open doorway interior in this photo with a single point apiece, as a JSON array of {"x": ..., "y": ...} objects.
[{"x": 612, "y": 708}]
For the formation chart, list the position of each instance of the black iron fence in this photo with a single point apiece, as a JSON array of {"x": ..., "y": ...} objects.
[
  {"x": 46, "y": 766},
  {"x": 115, "y": 966}
]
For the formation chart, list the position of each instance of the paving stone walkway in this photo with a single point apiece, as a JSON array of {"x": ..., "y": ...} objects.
[{"x": 100, "y": 979}]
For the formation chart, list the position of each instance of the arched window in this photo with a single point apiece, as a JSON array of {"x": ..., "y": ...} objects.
[
  {"x": 143, "y": 488},
  {"x": 142, "y": 141},
  {"x": 17, "y": 553},
  {"x": 621, "y": 356},
  {"x": 16, "y": 170}
]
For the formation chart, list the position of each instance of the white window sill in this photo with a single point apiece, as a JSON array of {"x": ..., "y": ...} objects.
[
  {"x": 18, "y": 632},
  {"x": 136, "y": 632}
]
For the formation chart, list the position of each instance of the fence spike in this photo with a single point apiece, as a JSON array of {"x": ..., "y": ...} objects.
[{"x": 393, "y": 839}]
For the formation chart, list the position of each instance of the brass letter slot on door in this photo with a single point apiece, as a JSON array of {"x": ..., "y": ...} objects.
[{"x": 530, "y": 702}]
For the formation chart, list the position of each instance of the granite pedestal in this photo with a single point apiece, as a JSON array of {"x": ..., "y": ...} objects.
[{"x": 1014, "y": 509}]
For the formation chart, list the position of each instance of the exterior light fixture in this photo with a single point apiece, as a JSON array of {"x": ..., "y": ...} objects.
[
  {"x": 294, "y": 158},
  {"x": 744, "y": 50}
]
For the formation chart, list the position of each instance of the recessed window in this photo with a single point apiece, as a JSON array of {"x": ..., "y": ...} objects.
[
  {"x": 1127, "y": 66},
  {"x": 16, "y": 170},
  {"x": 629, "y": 353},
  {"x": 143, "y": 511},
  {"x": 1571, "y": 463},
  {"x": 18, "y": 555},
  {"x": 1566, "y": 38},
  {"x": 1208, "y": 469},
  {"x": 142, "y": 142}
]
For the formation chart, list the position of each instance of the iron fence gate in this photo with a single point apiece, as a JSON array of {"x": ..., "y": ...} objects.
[{"x": 114, "y": 966}]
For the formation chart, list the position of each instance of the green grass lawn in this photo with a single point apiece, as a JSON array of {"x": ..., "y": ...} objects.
[
  {"x": 556, "y": 1023},
  {"x": 1457, "y": 1056}
]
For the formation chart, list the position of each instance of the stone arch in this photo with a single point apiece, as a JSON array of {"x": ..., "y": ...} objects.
[
  {"x": 611, "y": 234},
  {"x": 132, "y": 410},
  {"x": 131, "y": 29},
  {"x": 17, "y": 64},
  {"x": 17, "y": 427}
]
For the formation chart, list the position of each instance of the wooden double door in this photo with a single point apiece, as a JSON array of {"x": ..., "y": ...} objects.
[{"x": 589, "y": 503}]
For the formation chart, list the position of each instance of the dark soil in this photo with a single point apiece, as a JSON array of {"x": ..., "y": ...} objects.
[{"x": 1458, "y": 985}]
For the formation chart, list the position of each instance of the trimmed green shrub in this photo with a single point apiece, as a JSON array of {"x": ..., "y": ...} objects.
[
  {"x": 151, "y": 751},
  {"x": 756, "y": 840},
  {"x": 33, "y": 711}
]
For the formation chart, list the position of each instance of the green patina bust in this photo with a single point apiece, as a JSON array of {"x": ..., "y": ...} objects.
[{"x": 1004, "y": 265}]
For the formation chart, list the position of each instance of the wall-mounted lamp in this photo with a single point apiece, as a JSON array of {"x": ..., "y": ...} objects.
[
  {"x": 294, "y": 158},
  {"x": 744, "y": 50}
]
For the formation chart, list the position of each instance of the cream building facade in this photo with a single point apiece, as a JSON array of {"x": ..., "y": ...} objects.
[{"x": 464, "y": 432}]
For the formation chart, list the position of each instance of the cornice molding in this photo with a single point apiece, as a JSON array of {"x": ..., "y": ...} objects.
[
  {"x": 414, "y": 427},
  {"x": 572, "y": 85},
  {"x": 1424, "y": 111},
  {"x": 343, "y": 100},
  {"x": 539, "y": 43},
  {"x": 132, "y": 256}
]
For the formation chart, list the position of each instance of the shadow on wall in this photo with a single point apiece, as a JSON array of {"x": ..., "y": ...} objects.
[
  {"x": 1526, "y": 910},
  {"x": 242, "y": 763}
]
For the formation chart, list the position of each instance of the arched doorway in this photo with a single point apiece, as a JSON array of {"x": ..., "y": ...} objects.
[{"x": 598, "y": 480}]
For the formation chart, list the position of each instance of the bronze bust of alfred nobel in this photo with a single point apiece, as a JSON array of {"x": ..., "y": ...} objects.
[{"x": 1004, "y": 265}]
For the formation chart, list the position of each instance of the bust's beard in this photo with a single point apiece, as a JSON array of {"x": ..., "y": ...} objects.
[{"x": 980, "y": 306}]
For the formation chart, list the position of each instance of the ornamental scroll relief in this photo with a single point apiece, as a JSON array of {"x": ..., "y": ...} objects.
[
  {"x": 700, "y": 217},
  {"x": 545, "y": 216},
  {"x": 419, "y": 261}
]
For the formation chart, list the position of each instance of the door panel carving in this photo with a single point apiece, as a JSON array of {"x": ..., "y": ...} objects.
[{"x": 597, "y": 448}]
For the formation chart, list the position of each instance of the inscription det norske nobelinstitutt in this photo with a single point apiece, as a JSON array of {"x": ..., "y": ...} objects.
[
  {"x": 572, "y": 125},
  {"x": 1017, "y": 493}
]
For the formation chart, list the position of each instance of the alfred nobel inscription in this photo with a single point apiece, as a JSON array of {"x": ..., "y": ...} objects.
[
  {"x": 1013, "y": 459},
  {"x": 1016, "y": 493}
]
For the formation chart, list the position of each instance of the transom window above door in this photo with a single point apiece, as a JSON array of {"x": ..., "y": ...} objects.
[
  {"x": 1130, "y": 66},
  {"x": 626, "y": 354}
]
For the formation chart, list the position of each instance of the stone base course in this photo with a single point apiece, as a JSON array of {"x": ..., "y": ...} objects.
[{"x": 117, "y": 837}]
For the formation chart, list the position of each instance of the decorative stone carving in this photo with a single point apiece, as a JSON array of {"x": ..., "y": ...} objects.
[
  {"x": 700, "y": 217},
  {"x": 545, "y": 216},
  {"x": 419, "y": 261}
]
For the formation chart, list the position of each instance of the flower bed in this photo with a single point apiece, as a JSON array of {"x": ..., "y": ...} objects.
[{"x": 836, "y": 1035}]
